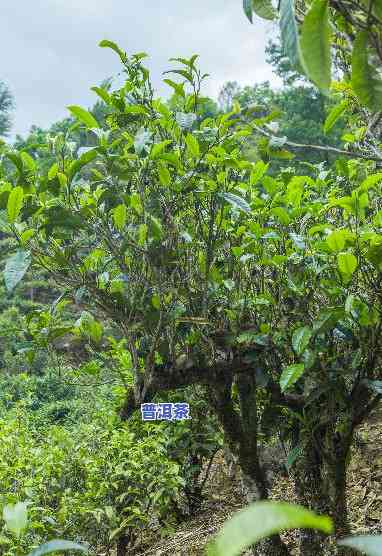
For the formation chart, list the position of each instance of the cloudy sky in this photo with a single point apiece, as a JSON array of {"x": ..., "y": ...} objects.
[{"x": 50, "y": 57}]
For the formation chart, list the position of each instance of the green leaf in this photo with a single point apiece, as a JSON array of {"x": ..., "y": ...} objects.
[
  {"x": 260, "y": 520},
  {"x": 110, "y": 44},
  {"x": 371, "y": 545},
  {"x": 89, "y": 326},
  {"x": 301, "y": 338},
  {"x": 237, "y": 202},
  {"x": 62, "y": 179},
  {"x": 16, "y": 517},
  {"x": 258, "y": 172},
  {"x": 95, "y": 331},
  {"x": 318, "y": 228},
  {"x": 16, "y": 159},
  {"x": 56, "y": 546},
  {"x": 377, "y": 6},
  {"x": 336, "y": 240},
  {"x": 84, "y": 116},
  {"x": 192, "y": 145},
  {"x": 347, "y": 263},
  {"x": 91, "y": 262},
  {"x": 184, "y": 73},
  {"x": 289, "y": 32},
  {"x": 26, "y": 235},
  {"x": 120, "y": 216},
  {"x": 53, "y": 171},
  {"x": 158, "y": 148},
  {"x": 327, "y": 319},
  {"x": 178, "y": 87},
  {"x": 349, "y": 303},
  {"x": 189, "y": 63},
  {"x": 135, "y": 203},
  {"x": 135, "y": 109},
  {"x": 15, "y": 268},
  {"x": 28, "y": 161},
  {"x": 142, "y": 234},
  {"x": 282, "y": 154},
  {"x": 247, "y": 7},
  {"x": 290, "y": 375},
  {"x": 264, "y": 9},
  {"x": 15, "y": 203},
  {"x": 155, "y": 301},
  {"x": 281, "y": 215},
  {"x": 315, "y": 45},
  {"x": 156, "y": 227},
  {"x": 371, "y": 181},
  {"x": 334, "y": 115},
  {"x": 59, "y": 217},
  {"x": 364, "y": 80},
  {"x": 164, "y": 175},
  {"x": 78, "y": 164},
  {"x": 103, "y": 94},
  {"x": 295, "y": 190}
]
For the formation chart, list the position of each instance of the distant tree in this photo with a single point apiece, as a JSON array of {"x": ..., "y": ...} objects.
[
  {"x": 281, "y": 65},
  {"x": 327, "y": 42},
  {"x": 6, "y": 105},
  {"x": 227, "y": 95},
  {"x": 207, "y": 107},
  {"x": 303, "y": 107},
  {"x": 302, "y": 114}
]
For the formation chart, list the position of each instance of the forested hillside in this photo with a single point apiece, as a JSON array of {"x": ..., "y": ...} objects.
[{"x": 191, "y": 306}]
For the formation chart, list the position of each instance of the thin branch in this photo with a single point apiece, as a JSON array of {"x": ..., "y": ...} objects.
[{"x": 322, "y": 148}]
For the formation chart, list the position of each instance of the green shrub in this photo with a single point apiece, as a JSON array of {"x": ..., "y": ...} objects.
[{"x": 84, "y": 483}]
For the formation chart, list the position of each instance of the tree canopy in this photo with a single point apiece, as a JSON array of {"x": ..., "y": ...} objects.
[
  {"x": 6, "y": 105},
  {"x": 234, "y": 250}
]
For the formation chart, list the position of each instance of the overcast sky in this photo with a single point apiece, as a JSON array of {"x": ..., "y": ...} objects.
[{"x": 50, "y": 57}]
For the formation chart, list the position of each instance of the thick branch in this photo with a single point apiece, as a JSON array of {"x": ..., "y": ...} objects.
[
  {"x": 364, "y": 410},
  {"x": 172, "y": 377},
  {"x": 162, "y": 378}
]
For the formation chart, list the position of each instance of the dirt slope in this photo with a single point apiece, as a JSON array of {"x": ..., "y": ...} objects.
[{"x": 224, "y": 498}]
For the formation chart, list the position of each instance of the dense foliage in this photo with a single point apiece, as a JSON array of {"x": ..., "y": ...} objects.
[
  {"x": 312, "y": 31},
  {"x": 174, "y": 251},
  {"x": 85, "y": 474},
  {"x": 6, "y": 106}
]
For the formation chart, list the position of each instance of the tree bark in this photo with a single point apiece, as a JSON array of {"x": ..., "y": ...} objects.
[
  {"x": 320, "y": 482},
  {"x": 309, "y": 491},
  {"x": 241, "y": 432},
  {"x": 122, "y": 545},
  {"x": 240, "y": 427}
]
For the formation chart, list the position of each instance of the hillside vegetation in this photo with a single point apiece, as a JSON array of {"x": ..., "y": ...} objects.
[{"x": 191, "y": 307}]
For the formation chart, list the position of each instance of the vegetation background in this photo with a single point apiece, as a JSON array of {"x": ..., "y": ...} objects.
[{"x": 224, "y": 252}]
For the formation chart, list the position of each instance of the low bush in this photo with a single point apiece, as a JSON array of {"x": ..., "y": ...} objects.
[{"x": 100, "y": 483}]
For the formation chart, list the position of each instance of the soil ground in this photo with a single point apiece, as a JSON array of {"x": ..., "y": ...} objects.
[{"x": 223, "y": 498}]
